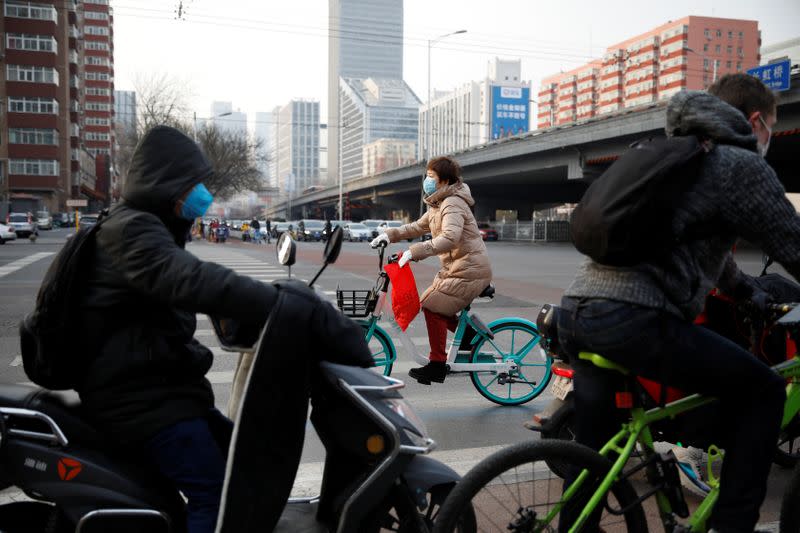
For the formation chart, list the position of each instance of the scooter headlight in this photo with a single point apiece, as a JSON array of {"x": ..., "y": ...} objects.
[{"x": 415, "y": 428}]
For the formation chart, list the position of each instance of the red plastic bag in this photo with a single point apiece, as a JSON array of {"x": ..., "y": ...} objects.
[{"x": 405, "y": 298}]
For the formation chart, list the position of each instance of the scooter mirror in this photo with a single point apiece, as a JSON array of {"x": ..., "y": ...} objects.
[
  {"x": 286, "y": 250},
  {"x": 333, "y": 246}
]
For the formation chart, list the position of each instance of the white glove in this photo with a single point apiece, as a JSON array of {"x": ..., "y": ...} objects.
[
  {"x": 382, "y": 238},
  {"x": 405, "y": 258}
]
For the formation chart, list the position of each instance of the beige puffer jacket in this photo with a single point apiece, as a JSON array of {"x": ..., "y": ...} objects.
[{"x": 456, "y": 240}]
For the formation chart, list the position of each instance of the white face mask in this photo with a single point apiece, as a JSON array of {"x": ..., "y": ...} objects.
[{"x": 763, "y": 148}]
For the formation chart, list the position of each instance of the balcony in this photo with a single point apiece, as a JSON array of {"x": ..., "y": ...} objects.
[
  {"x": 75, "y": 130},
  {"x": 74, "y": 82},
  {"x": 73, "y": 32},
  {"x": 73, "y": 57}
]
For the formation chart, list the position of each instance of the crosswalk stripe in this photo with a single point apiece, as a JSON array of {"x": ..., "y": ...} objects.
[{"x": 21, "y": 263}]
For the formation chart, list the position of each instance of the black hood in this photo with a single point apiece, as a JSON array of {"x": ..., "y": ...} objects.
[{"x": 165, "y": 165}]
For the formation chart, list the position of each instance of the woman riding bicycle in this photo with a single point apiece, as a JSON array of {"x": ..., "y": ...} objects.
[{"x": 465, "y": 271}]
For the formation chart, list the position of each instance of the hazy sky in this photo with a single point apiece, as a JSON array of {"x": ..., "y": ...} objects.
[{"x": 262, "y": 53}]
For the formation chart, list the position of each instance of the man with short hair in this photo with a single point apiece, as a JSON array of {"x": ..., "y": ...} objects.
[{"x": 641, "y": 316}]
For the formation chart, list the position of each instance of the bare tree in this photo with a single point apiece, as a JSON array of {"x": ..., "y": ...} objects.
[
  {"x": 235, "y": 159},
  {"x": 161, "y": 100}
]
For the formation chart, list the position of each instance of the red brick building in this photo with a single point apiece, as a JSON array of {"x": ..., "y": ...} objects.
[
  {"x": 690, "y": 53},
  {"x": 52, "y": 117}
]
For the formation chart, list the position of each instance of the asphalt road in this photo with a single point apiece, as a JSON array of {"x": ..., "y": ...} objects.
[{"x": 466, "y": 426}]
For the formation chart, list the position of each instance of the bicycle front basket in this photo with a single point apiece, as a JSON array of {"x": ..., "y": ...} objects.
[{"x": 357, "y": 304}]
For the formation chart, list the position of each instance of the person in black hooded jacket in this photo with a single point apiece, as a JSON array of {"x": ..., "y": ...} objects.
[{"x": 145, "y": 383}]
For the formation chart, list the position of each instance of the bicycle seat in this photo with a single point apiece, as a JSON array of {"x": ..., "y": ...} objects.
[
  {"x": 600, "y": 361},
  {"x": 488, "y": 292}
]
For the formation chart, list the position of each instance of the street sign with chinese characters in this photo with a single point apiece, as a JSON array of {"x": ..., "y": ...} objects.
[
  {"x": 77, "y": 203},
  {"x": 774, "y": 75}
]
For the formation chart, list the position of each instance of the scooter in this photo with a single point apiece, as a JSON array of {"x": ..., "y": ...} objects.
[{"x": 376, "y": 473}]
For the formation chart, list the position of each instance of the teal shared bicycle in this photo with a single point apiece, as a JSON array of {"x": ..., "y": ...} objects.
[
  {"x": 516, "y": 489},
  {"x": 503, "y": 358}
]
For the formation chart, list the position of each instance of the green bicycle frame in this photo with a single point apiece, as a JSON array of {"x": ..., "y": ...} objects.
[{"x": 638, "y": 429}]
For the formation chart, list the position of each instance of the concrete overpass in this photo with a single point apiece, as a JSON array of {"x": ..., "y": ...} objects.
[{"x": 535, "y": 170}]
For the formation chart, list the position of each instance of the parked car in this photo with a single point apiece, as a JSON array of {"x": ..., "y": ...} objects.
[
  {"x": 356, "y": 231},
  {"x": 311, "y": 230},
  {"x": 487, "y": 232},
  {"x": 88, "y": 220},
  {"x": 61, "y": 220},
  {"x": 23, "y": 223},
  {"x": 44, "y": 220},
  {"x": 7, "y": 233},
  {"x": 391, "y": 224},
  {"x": 373, "y": 225}
]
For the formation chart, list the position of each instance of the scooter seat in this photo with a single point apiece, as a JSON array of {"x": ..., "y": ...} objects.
[{"x": 63, "y": 407}]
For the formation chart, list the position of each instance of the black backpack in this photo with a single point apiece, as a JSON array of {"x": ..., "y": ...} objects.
[
  {"x": 625, "y": 216},
  {"x": 50, "y": 336}
]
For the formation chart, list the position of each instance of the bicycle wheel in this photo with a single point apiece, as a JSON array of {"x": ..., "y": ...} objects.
[
  {"x": 401, "y": 514},
  {"x": 513, "y": 490},
  {"x": 518, "y": 342},
  {"x": 382, "y": 349}
]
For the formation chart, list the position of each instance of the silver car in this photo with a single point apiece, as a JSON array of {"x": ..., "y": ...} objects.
[
  {"x": 23, "y": 224},
  {"x": 44, "y": 220},
  {"x": 357, "y": 232}
]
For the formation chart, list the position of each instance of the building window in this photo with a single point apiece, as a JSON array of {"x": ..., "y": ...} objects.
[
  {"x": 94, "y": 136},
  {"x": 718, "y": 49},
  {"x": 32, "y": 105},
  {"x": 99, "y": 2},
  {"x": 739, "y": 51},
  {"x": 705, "y": 63},
  {"x": 95, "y": 15},
  {"x": 27, "y": 10},
  {"x": 741, "y": 35},
  {"x": 32, "y": 136},
  {"x": 98, "y": 61},
  {"x": 730, "y": 35},
  {"x": 730, "y": 50},
  {"x": 96, "y": 45},
  {"x": 97, "y": 106},
  {"x": 707, "y": 33},
  {"x": 33, "y": 43},
  {"x": 31, "y": 74},
  {"x": 33, "y": 167},
  {"x": 95, "y": 121},
  {"x": 95, "y": 30},
  {"x": 705, "y": 47},
  {"x": 719, "y": 33},
  {"x": 729, "y": 64},
  {"x": 97, "y": 76},
  {"x": 98, "y": 91},
  {"x": 738, "y": 66}
]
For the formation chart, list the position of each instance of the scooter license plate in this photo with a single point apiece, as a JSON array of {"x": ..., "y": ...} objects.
[{"x": 561, "y": 387}]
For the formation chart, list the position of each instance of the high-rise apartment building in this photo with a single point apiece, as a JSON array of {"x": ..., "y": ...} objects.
[
  {"x": 372, "y": 109},
  {"x": 98, "y": 132},
  {"x": 689, "y": 53},
  {"x": 56, "y": 85},
  {"x": 297, "y": 154},
  {"x": 478, "y": 111},
  {"x": 365, "y": 40}
]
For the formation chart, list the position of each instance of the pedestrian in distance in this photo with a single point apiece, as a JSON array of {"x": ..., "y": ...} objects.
[
  {"x": 327, "y": 230},
  {"x": 269, "y": 231},
  {"x": 465, "y": 271},
  {"x": 255, "y": 225},
  {"x": 640, "y": 315}
]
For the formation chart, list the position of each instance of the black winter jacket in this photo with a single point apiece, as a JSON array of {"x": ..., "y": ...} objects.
[{"x": 146, "y": 371}]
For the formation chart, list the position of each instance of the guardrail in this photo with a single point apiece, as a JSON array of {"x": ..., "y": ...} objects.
[{"x": 539, "y": 231}]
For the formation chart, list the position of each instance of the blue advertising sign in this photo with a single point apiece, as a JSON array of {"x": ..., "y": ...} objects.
[
  {"x": 510, "y": 111},
  {"x": 774, "y": 75}
]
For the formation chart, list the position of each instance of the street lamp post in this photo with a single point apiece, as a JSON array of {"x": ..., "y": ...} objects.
[
  {"x": 428, "y": 126},
  {"x": 194, "y": 122},
  {"x": 704, "y": 57}
]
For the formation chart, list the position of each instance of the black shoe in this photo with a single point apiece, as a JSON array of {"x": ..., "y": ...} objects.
[{"x": 433, "y": 371}]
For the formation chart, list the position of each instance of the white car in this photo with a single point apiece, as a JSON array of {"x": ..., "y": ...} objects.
[
  {"x": 7, "y": 233},
  {"x": 44, "y": 220},
  {"x": 357, "y": 232}
]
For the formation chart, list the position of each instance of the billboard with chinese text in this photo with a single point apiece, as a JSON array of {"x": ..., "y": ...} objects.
[{"x": 510, "y": 111}]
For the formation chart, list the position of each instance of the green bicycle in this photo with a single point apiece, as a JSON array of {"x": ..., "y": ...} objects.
[
  {"x": 516, "y": 490},
  {"x": 499, "y": 356}
]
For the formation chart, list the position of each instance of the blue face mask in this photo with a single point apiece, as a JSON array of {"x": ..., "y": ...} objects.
[
  {"x": 196, "y": 203},
  {"x": 429, "y": 185}
]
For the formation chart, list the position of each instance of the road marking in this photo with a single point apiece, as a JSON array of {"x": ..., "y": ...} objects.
[{"x": 21, "y": 263}]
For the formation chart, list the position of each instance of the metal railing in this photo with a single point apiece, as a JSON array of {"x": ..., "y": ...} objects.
[{"x": 538, "y": 231}]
